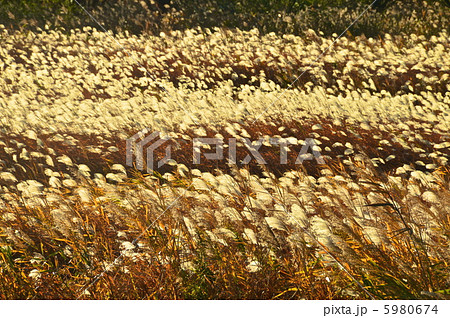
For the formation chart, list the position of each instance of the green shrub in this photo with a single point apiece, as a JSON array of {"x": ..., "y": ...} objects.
[
  {"x": 26, "y": 13},
  {"x": 279, "y": 16},
  {"x": 328, "y": 16}
]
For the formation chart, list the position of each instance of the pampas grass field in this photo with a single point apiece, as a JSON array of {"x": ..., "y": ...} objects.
[{"x": 370, "y": 222}]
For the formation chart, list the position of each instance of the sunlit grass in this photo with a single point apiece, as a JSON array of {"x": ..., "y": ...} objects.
[{"x": 373, "y": 221}]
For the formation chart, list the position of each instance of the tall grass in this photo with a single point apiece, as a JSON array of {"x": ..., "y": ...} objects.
[
  {"x": 372, "y": 222},
  {"x": 392, "y": 243}
]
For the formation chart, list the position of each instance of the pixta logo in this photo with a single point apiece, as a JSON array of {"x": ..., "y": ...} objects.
[{"x": 143, "y": 145}]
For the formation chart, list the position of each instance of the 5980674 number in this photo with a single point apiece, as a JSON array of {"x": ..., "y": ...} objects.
[{"x": 410, "y": 309}]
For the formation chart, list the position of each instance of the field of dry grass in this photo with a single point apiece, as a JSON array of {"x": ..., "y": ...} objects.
[{"x": 372, "y": 222}]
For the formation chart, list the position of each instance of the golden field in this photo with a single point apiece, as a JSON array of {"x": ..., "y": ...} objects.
[{"x": 77, "y": 222}]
